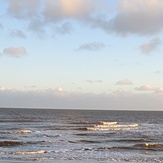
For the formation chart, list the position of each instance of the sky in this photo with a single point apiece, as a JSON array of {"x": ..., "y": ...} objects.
[{"x": 81, "y": 54}]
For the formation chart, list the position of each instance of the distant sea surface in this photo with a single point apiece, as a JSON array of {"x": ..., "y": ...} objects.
[{"x": 80, "y": 136}]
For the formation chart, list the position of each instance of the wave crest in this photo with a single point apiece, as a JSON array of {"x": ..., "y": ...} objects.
[
  {"x": 106, "y": 123},
  {"x": 102, "y": 125},
  {"x": 149, "y": 145},
  {"x": 23, "y": 132},
  {"x": 30, "y": 152}
]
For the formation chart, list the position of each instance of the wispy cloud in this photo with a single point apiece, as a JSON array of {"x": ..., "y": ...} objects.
[
  {"x": 94, "y": 46},
  {"x": 150, "y": 46},
  {"x": 159, "y": 72},
  {"x": 1, "y": 26},
  {"x": 146, "y": 87},
  {"x": 94, "y": 81},
  {"x": 17, "y": 33},
  {"x": 65, "y": 28},
  {"x": 149, "y": 87},
  {"x": 15, "y": 51},
  {"x": 124, "y": 82},
  {"x": 159, "y": 90}
]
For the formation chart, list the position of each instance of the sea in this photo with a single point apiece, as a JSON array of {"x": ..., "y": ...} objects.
[{"x": 80, "y": 136}]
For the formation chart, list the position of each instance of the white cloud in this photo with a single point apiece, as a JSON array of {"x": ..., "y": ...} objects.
[
  {"x": 14, "y": 51},
  {"x": 59, "y": 89},
  {"x": 4, "y": 89},
  {"x": 146, "y": 87},
  {"x": 150, "y": 46},
  {"x": 159, "y": 90},
  {"x": 124, "y": 82}
]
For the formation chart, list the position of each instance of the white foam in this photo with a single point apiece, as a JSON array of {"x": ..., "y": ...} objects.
[
  {"x": 153, "y": 145},
  {"x": 106, "y": 123},
  {"x": 23, "y": 132},
  {"x": 113, "y": 126},
  {"x": 30, "y": 152},
  {"x": 107, "y": 128}
]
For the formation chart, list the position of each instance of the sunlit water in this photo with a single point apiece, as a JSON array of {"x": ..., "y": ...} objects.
[{"x": 30, "y": 135}]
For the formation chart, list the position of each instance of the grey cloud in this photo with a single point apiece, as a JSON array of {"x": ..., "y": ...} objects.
[
  {"x": 141, "y": 17},
  {"x": 65, "y": 9},
  {"x": 37, "y": 26},
  {"x": 18, "y": 33},
  {"x": 24, "y": 9},
  {"x": 65, "y": 28},
  {"x": 15, "y": 51},
  {"x": 1, "y": 26},
  {"x": 150, "y": 46},
  {"x": 159, "y": 72},
  {"x": 94, "y": 46},
  {"x": 94, "y": 81},
  {"x": 41, "y": 14},
  {"x": 29, "y": 11},
  {"x": 81, "y": 100}
]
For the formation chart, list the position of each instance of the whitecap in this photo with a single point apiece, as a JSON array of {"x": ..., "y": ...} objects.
[
  {"x": 112, "y": 126},
  {"x": 23, "y": 132},
  {"x": 106, "y": 123},
  {"x": 150, "y": 145},
  {"x": 107, "y": 128},
  {"x": 30, "y": 152}
]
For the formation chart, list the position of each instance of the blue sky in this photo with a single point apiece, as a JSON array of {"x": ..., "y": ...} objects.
[{"x": 81, "y": 54}]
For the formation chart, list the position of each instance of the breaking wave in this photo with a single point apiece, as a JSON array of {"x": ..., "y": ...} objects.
[
  {"x": 145, "y": 146},
  {"x": 30, "y": 152},
  {"x": 102, "y": 125},
  {"x": 23, "y": 132},
  {"x": 106, "y": 123},
  {"x": 150, "y": 146}
]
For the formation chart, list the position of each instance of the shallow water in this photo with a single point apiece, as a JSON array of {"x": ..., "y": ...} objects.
[{"x": 62, "y": 136}]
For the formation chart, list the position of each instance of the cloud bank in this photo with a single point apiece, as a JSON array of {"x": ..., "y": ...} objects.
[{"x": 58, "y": 98}]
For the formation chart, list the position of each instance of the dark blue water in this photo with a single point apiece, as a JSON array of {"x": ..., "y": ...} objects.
[{"x": 35, "y": 135}]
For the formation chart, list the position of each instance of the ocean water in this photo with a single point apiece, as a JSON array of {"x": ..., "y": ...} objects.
[{"x": 80, "y": 136}]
